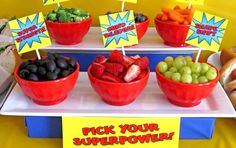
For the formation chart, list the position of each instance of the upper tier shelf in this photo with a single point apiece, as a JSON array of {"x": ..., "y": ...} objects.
[{"x": 151, "y": 42}]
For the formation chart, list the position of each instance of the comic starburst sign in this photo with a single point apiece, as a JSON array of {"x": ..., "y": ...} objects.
[
  {"x": 206, "y": 31},
  {"x": 118, "y": 29},
  {"x": 30, "y": 33}
]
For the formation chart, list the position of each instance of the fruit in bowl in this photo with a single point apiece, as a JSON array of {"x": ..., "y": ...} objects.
[
  {"x": 48, "y": 81},
  {"x": 141, "y": 21},
  {"x": 184, "y": 82},
  {"x": 173, "y": 25},
  {"x": 119, "y": 79},
  {"x": 68, "y": 26}
]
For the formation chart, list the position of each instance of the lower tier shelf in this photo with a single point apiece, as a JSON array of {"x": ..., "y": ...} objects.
[{"x": 83, "y": 101}]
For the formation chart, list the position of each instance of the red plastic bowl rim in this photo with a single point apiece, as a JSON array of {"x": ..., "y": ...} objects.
[
  {"x": 42, "y": 82},
  {"x": 185, "y": 84},
  {"x": 163, "y": 22},
  {"x": 148, "y": 20},
  {"x": 60, "y": 23},
  {"x": 112, "y": 83}
]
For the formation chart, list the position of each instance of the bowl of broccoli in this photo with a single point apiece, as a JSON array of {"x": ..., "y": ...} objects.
[{"x": 68, "y": 26}]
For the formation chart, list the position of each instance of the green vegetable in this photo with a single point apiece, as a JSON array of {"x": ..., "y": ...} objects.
[{"x": 67, "y": 15}]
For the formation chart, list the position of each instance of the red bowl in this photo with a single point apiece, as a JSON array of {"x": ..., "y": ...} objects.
[
  {"x": 172, "y": 34},
  {"x": 68, "y": 33},
  {"x": 185, "y": 95},
  {"x": 118, "y": 94},
  {"x": 48, "y": 92},
  {"x": 142, "y": 28}
]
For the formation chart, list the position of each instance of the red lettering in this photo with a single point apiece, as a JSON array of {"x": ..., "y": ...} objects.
[
  {"x": 104, "y": 141},
  {"x": 143, "y": 138},
  {"x": 132, "y": 128},
  {"x": 132, "y": 139},
  {"x": 143, "y": 128},
  {"x": 123, "y": 128},
  {"x": 122, "y": 139},
  {"x": 76, "y": 141},
  {"x": 95, "y": 140},
  {"x": 171, "y": 135},
  {"x": 113, "y": 140},
  {"x": 153, "y": 127},
  {"x": 109, "y": 129},
  {"x": 86, "y": 130},
  {"x": 163, "y": 136},
  {"x": 154, "y": 138}
]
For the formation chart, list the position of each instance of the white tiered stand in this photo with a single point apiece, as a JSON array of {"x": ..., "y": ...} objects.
[{"x": 83, "y": 101}]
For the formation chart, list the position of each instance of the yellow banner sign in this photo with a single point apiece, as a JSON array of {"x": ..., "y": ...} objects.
[
  {"x": 195, "y": 2},
  {"x": 206, "y": 31},
  {"x": 30, "y": 33},
  {"x": 118, "y": 29},
  {"x": 49, "y": 2},
  {"x": 79, "y": 132},
  {"x": 130, "y": 1}
]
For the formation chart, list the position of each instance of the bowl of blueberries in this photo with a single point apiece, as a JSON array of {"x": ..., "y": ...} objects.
[
  {"x": 49, "y": 80},
  {"x": 141, "y": 22}
]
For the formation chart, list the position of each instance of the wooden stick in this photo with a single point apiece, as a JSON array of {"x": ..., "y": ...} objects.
[
  {"x": 38, "y": 54},
  {"x": 198, "y": 55},
  {"x": 189, "y": 5},
  {"x": 58, "y": 4},
  {"x": 123, "y": 50},
  {"x": 123, "y": 5}
]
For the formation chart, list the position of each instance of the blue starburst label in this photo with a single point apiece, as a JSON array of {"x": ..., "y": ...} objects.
[
  {"x": 30, "y": 33},
  {"x": 118, "y": 29},
  {"x": 206, "y": 31},
  {"x": 49, "y": 2}
]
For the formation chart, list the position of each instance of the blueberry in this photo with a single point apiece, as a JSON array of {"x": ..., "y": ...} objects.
[
  {"x": 64, "y": 73},
  {"x": 51, "y": 57},
  {"x": 61, "y": 63},
  {"x": 33, "y": 77},
  {"x": 51, "y": 76},
  {"x": 50, "y": 66},
  {"x": 71, "y": 70},
  {"x": 42, "y": 71},
  {"x": 57, "y": 70},
  {"x": 23, "y": 65},
  {"x": 143, "y": 19},
  {"x": 57, "y": 56},
  {"x": 24, "y": 73},
  {"x": 72, "y": 62},
  {"x": 32, "y": 68}
]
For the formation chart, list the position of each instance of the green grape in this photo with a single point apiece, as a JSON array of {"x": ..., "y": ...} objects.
[
  {"x": 176, "y": 77},
  {"x": 204, "y": 68},
  {"x": 186, "y": 78},
  {"x": 189, "y": 63},
  {"x": 195, "y": 81},
  {"x": 196, "y": 67},
  {"x": 169, "y": 60},
  {"x": 179, "y": 58},
  {"x": 195, "y": 76},
  {"x": 178, "y": 63},
  {"x": 188, "y": 59},
  {"x": 168, "y": 74},
  {"x": 202, "y": 79},
  {"x": 185, "y": 70},
  {"x": 162, "y": 67},
  {"x": 173, "y": 69},
  {"x": 211, "y": 74}
]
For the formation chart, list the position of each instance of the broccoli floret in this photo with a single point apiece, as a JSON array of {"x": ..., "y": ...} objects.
[
  {"x": 63, "y": 17},
  {"x": 52, "y": 17},
  {"x": 76, "y": 11},
  {"x": 78, "y": 19}
]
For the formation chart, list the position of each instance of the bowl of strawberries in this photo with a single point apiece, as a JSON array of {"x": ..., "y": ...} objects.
[{"x": 119, "y": 79}]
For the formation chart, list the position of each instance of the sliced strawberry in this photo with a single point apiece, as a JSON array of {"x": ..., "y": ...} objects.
[
  {"x": 100, "y": 59},
  {"x": 116, "y": 56},
  {"x": 132, "y": 73},
  {"x": 142, "y": 75},
  {"x": 114, "y": 68},
  {"x": 142, "y": 62},
  {"x": 97, "y": 69},
  {"x": 109, "y": 77},
  {"x": 135, "y": 57},
  {"x": 128, "y": 61}
]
